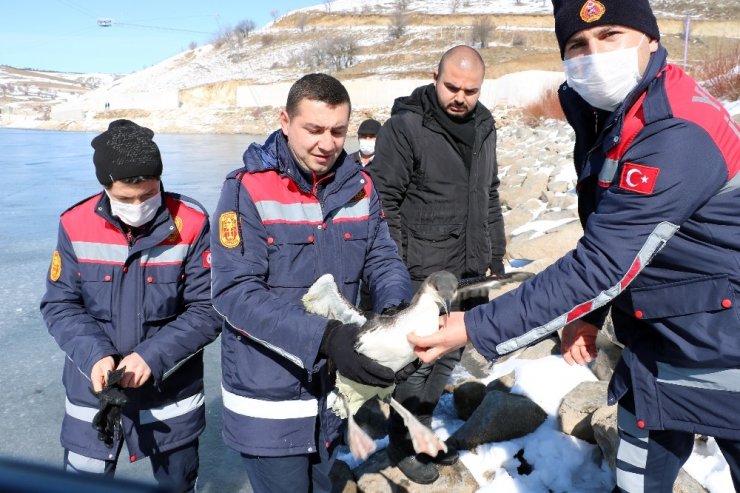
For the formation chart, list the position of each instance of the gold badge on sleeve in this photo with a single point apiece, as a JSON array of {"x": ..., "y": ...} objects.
[
  {"x": 55, "y": 272},
  {"x": 228, "y": 229}
]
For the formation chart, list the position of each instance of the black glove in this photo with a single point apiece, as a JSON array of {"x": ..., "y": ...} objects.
[
  {"x": 111, "y": 401},
  {"x": 392, "y": 310},
  {"x": 338, "y": 344}
]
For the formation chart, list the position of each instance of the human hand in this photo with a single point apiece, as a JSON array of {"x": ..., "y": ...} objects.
[
  {"x": 452, "y": 335},
  {"x": 137, "y": 371},
  {"x": 99, "y": 373},
  {"x": 339, "y": 343},
  {"x": 578, "y": 342}
]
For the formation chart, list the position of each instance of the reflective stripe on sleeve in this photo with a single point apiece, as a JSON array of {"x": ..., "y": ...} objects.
[{"x": 654, "y": 243}]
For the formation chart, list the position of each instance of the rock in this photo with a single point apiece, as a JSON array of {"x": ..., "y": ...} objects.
[
  {"x": 502, "y": 384},
  {"x": 475, "y": 363},
  {"x": 607, "y": 357},
  {"x": 546, "y": 347},
  {"x": 564, "y": 202},
  {"x": 548, "y": 247},
  {"x": 499, "y": 417},
  {"x": 604, "y": 426},
  {"x": 517, "y": 217},
  {"x": 685, "y": 483},
  {"x": 559, "y": 186},
  {"x": 467, "y": 397},
  {"x": 342, "y": 479},
  {"x": 376, "y": 475},
  {"x": 577, "y": 407}
]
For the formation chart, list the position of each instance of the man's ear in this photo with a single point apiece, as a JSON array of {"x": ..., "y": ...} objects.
[
  {"x": 653, "y": 45},
  {"x": 284, "y": 121}
]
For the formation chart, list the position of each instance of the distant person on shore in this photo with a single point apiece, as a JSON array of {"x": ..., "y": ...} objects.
[
  {"x": 658, "y": 163},
  {"x": 366, "y": 135},
  {"x": 129, "y": 289},
  {"x": 297, "y": 209},
  {"x": 436, "y": 171}
]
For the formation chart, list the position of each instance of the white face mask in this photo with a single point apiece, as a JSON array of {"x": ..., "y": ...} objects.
[
  {"x": 136, "y": 214},
  {"x": 604, "y": 79},
  {"x": 367, "y": 146}
]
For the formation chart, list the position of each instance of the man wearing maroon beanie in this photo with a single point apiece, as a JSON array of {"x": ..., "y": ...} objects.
[{"x": 658, "y": 164}]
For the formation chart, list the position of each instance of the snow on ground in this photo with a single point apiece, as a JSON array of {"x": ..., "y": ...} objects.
[{"x": 561, "y": 463}]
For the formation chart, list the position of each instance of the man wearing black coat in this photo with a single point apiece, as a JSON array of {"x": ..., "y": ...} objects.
[{"x": 435, "y": 169}]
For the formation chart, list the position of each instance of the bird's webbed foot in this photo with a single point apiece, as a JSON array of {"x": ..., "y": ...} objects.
[
  {"x": 360, "y": 443},
  {"x": 424, "y": 440}
]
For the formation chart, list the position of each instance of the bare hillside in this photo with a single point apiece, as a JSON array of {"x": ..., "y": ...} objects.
[{"x": 238, "y": 81}]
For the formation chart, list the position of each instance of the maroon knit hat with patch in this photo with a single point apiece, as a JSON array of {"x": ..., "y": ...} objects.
[{"x": 572, "y": 16}]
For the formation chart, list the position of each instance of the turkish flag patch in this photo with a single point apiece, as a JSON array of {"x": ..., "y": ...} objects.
[
  {"x": 207, "y": 259},
  {"x": 638, "y": 178}
]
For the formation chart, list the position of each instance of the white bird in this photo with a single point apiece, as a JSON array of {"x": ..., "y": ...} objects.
[{"x": 383, "y": 339}]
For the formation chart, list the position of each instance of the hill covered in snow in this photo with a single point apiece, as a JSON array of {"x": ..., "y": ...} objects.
[{"x": 380, "y": 48}]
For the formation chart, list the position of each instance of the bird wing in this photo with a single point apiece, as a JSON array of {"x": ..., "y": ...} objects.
[
  {"x": 323, "y": 298},
  {"x": 479, "y": 286}
]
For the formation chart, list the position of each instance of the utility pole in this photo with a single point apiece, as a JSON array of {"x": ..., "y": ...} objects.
[{"x": 686, "y": 30}]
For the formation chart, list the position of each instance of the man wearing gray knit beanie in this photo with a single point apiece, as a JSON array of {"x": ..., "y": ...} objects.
[{"x": 658, "y": 164}]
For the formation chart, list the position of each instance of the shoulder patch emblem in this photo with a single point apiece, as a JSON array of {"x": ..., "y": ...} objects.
[
  {"x": 55, "y": 272},
  {"x": 359, "y": 196},
  {"x": 207, "y": 259},
  {"x": 176, "y": 234},
  {"x": 592, "y": 11},
  {"x": 638, "y": 178},
  {"x": 228, "y": 229}
]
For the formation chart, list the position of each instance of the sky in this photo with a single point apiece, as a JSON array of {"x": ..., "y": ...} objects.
[{"x": 64, "y": 35}]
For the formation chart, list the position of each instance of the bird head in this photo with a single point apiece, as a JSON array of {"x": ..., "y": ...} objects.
[{"x": 441, "y": 286}]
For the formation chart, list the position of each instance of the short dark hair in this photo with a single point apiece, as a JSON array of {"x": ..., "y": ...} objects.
[
  {"x": 134, "y": 180},
  {"x": 316, "y": 87}
]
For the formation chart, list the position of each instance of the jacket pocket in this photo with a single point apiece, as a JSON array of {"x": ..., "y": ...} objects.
[
  {"x": 354, "y": 249},
  {"x": 704, "y": 295},
  {"x": 433, "y": 247},
  {"x": 292, "y": 249},
  {"x": 161, "y": 293},
  {"x": 698, "y": 321},
  {"x": 97, "y": 289}
]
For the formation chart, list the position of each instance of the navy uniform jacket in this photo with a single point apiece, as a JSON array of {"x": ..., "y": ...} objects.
[
  {"x": 661, "y": 247},
  {"x": 274, "y": 234},
  {"x": 105, "y": 297}
]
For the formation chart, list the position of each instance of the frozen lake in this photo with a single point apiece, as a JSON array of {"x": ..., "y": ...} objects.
[{"x": 45, "y": 173}]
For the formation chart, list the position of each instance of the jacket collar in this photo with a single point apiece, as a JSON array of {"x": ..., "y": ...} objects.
[
  {"x": 163, "y": 216},
  {"x": 275, "y": 155},
  {"x": 417, "y": 103}
]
